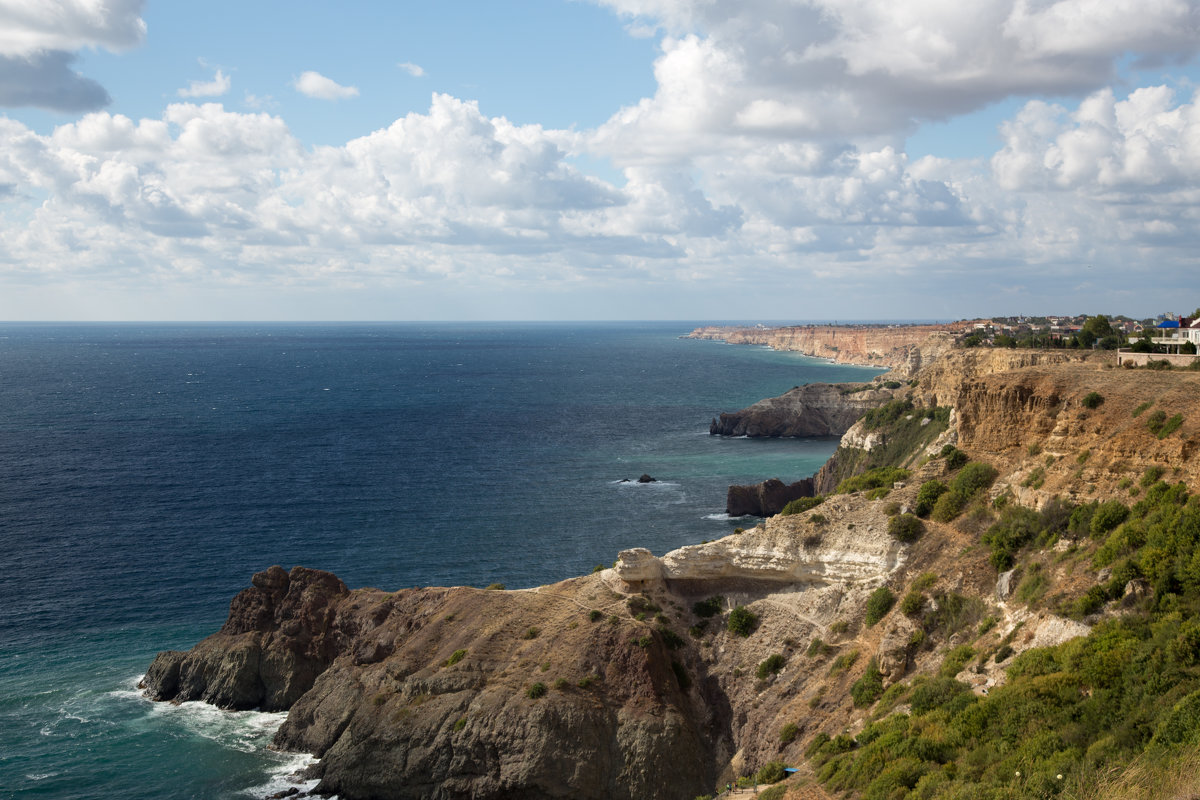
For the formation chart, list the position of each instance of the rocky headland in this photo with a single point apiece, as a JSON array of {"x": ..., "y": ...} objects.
[{"x": 638, "y": 682}]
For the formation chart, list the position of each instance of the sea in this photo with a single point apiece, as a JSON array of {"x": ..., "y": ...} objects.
[{"x": 148, "y": 470}]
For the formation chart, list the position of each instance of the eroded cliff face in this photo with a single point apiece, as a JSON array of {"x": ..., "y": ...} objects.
[
  {"x": 432, "y": 692},
  {"x": 903, "y": 348},
  {"x": 818, "y": 409}
]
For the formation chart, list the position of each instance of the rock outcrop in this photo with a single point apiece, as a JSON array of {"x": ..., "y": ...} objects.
[
  {"x": 280, "y": 635},
  {"x": 765, "y": 499},
  {"x": 455, "y": 693},
  {"x": 818, "y": 409}
]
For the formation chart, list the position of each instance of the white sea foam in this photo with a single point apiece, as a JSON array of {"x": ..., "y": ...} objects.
[
  {"x": 244, "y": 731},
  {"x": 722, "y": 517},
  {"x": 286, "y": 775}
]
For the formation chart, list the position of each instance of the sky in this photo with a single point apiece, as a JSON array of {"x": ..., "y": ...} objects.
[{"x": 598, "y": 159}]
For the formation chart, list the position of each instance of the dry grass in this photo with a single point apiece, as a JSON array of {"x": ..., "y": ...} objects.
[{"x": 1175, "y": 777}]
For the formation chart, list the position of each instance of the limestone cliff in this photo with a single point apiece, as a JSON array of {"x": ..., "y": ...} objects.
[
  {"x": 618, "y": 684},
  {"x": 902, "y": 348}
]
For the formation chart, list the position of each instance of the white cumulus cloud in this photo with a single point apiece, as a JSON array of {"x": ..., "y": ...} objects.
[
  {"x": 314, "y": 84},
  {"x": 416, "y": 70},
  {"x": 218, "y": 86}
]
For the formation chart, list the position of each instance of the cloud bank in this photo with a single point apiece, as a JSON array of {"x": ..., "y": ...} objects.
[
  {"x": 768, "y": 164},
  {"x": 38, "y": 42}
]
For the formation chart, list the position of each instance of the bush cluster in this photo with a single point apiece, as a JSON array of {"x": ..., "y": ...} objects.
[
  {"x": 1077, "y": 709},
  {"x": 770, "y": 665},
  {"x": 905, "y": 528},
  {"x": 742, "y": 621},
  {"x": 878, "y": 478},
  {"x": 802, "y": 504},
  {"x": 879, "y": 604}
]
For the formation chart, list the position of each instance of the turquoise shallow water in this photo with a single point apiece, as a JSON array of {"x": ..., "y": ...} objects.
[{"x": 146, "y": 471}]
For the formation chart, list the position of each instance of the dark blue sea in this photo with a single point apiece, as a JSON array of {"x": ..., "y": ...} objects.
[{"x": 147, "y": 471}]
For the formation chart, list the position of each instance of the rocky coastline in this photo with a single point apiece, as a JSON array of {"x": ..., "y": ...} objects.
[{"x": 634, "y": 682}]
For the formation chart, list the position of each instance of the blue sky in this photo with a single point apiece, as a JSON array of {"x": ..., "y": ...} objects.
[{"x": 613, "y": 159}]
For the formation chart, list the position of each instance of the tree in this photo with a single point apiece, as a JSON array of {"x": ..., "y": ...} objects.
[{"x": 1098, "y": 329}]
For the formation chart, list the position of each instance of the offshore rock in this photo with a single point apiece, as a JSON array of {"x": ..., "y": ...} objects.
[
  {"x": 765, "y": 499},
  {"x": 818, "y": 409}
]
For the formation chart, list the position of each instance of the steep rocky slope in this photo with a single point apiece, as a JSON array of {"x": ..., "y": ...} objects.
[{"x": 434, "y": 692}]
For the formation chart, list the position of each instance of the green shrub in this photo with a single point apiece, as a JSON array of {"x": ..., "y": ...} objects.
[
  {"x": 742, "y": 621},
  {"x": 948, "y": 506},
  {"x": 905, "y": 528},
  {"x": 1092, "y": 400},
  {"x": 927, "y": 496},
  {"x": 1107, "y": 516},
  {"x": 1035, "y": 479},
  {"x": 924, "y": 581},
  {"x": 532, "y": 633},
  {"x": 772, "y": 772},
  {"x": 709, "y": 607},
  {"x": 879, "y": 604},
  {"x": 770, "y": 665},
  {"x": 455, "y": 657},
  {"x": 1004, "y": 652},
  {"x": 1170, "y": 426},
  {"x": 1033, "y": 585},
  {"x": 595, "y": 615},
  {"x": 866, "y": 690},
  {"x": 912, "y": 604},
  {"x": 561, "y": 684},
  {"x": 955, "y": 660},
  {"x": 886, "y": 414},
  {"x": 1137, "y": 412},
  {"x": 1161, "y": 365},
  {"x": 891, "y": 509},
  {"x": 788, "y": 733},
  {"x": 873, "y": 479},
  {"x": 1155, "y": 422},
  {"x": 955, "y": 458},
  {"x": 536, "y": 690},
  {"x": 842, "y": 663},
  {"x": 640, "y": 604},
  {"x": 817, "y": 648},
  {"x": 1017, "y": 527},
  {"x": 878, "y": 494},
  {"x": 1150, "y": 477},
  {"x": 773, "y": 793},
  {"x": 940, "y": 692},
  {"x": 802, "y": 504},
  {"x": 974, "y": 477}
]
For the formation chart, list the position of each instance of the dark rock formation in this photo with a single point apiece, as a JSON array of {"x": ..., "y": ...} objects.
[
  {"x": 765, "y": 499},
  {"x": 277, "y": 639},
  {"x": 646, "y": 479},
  {"x": 376, "y": 688},
  {"x": 818, "y": 409}
]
